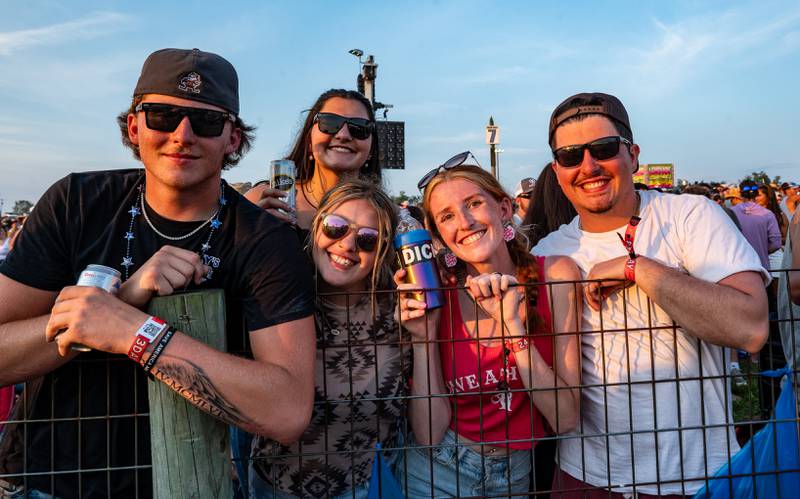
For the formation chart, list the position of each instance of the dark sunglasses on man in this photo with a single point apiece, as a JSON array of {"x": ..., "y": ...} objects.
[
  {"x": 330, "y": 123},
  {"x": 600, "y": 149},
  {"x": 451, "y": 163},
  {"x": 748, "y": 188},
  {"x": 167, "y": 117},
  {"x": 336, "y": 227}
]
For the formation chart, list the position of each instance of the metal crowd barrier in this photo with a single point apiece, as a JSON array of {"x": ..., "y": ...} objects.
[{"x": 749, "y": 397}]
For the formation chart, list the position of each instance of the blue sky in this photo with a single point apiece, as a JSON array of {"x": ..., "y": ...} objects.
[{"x": 709, "y": 86}]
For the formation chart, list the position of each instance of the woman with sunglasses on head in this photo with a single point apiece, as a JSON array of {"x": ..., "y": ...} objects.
[
  {"x": 491, "y": 346},
  {"x": 336, "y": 143},
  {"x": 361, "y": 370}
]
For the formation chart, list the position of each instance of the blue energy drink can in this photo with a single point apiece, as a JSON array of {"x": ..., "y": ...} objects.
[{"x": 416, "y": 255}]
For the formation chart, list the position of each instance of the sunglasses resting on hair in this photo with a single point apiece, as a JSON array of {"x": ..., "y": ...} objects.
[
  {"x": 600, "y": 149},
  {"x": 167, "y": 117},
  {"x": 336, "y": 227},
  {"x": 451, "y": 163},
  {"x": 330, "y": 123}
]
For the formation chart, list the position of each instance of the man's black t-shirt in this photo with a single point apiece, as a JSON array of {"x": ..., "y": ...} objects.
[{"x": 82, "y": 220}]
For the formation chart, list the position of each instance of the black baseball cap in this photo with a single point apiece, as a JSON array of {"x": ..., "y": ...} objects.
[
  {"x": 190, "y": 74},
  {"x": 588, "y": 103}
]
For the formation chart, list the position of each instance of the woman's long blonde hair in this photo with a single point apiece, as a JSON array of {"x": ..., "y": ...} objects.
[{"x": 352, "y": 190}]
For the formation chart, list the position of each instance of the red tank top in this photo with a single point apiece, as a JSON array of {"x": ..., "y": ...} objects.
[{"x": 470, "y": 369}]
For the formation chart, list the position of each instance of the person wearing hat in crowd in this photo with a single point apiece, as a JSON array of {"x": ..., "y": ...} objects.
[
  {"x": 522, "y": 198},
  {"x": 788, "y": 199},
  {"x": 171, "y": 226},
  {"x": 659, "y": 260},
  {"x": 759, "y": 225}
]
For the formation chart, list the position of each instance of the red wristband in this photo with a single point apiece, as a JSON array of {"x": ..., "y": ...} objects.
[
  {"x": 146, "y": 333},
  {"x": 630, "y": 270},
  {"x": 518, "y": 344}
]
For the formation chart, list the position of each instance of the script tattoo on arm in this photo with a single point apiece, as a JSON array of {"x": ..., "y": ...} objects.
[{"x": 191, "y": 382}]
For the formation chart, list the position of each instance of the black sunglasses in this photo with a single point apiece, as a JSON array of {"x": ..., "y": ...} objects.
[
  {"x": 359, "y": 128},
  {"x": 335, "y": 227},
  {"x": 166, "y": 118},
  {"x": 451, "y": 163},
  {"x": 600, "y": 149}
]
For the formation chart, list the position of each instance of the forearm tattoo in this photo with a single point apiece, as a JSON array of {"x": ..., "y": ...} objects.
[{"x": 193, "y": 384}]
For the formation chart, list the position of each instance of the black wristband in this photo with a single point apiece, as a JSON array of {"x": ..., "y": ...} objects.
[{"x": 151, "y": 361}]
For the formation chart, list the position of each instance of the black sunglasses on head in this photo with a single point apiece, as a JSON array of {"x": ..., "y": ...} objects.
[
  {"x": 336, "y": 227},
  {"x": 330, "y": 123},
  {"x": 451, "y": 163},
  {"x": 167, "y": 117},
  {"x": 600, "y": 149}
]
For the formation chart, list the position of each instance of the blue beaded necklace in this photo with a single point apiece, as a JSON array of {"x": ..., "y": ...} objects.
[{"x": 138, "y": 208}]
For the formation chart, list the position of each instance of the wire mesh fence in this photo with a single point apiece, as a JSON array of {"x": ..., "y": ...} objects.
[{"x": 456, "y": 406}]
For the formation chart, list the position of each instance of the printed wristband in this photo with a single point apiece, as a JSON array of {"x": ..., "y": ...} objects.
[
  {"x": 146, "y": 333},
  {"x": 630, "y": 270},
  {"x": 518, "y": 344},
  {"x": 151, "y": 361}
]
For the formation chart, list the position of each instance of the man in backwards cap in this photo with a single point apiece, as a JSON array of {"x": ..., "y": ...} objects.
[
  {"x": 171, "y": 226},
  {"x": 661, "y": 258}
]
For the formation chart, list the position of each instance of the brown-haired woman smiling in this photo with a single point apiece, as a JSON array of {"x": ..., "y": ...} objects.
[{"x": 337, "y": 142}]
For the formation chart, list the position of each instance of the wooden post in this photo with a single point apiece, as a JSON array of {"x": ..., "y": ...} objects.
[{"x": 190, "y": 449}]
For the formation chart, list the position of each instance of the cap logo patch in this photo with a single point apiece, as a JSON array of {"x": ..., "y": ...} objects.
[{"x": 191, "y": 83}]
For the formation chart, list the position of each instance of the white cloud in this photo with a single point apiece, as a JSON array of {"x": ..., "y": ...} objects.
[
  {"x": 702, "y": 44},
  {"x": 92, "y": 26}
]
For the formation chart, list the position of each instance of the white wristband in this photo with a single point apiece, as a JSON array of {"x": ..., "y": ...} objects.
[
  {"x": 145, "y": 335},
  {"x": 151, "y": 328}
]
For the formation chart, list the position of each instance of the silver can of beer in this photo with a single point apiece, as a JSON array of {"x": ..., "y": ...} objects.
[
  {"x": 281, "y": 176},
  {"x": 98, "y": 276}
]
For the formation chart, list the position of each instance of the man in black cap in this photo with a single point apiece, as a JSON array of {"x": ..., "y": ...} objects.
[
  {"x": 171, "y": 226},
  {"x": 648, "y": 427}
]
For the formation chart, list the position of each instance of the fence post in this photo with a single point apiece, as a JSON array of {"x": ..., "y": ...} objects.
[{"x": 190, "y": 449}]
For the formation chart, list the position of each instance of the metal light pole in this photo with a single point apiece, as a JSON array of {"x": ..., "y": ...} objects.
[
  {"x": 390, "y": 134},
  {"x": 493, "y": 139},
  {"x": 497, "y": 153}
]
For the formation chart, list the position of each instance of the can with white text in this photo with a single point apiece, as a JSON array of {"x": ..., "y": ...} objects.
[
  {"x": 98, "y": 276},
  {"x": 282, "y": 174}
]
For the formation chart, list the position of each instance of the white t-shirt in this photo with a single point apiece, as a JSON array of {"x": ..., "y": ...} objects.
[{"x": 635, "y": 360}]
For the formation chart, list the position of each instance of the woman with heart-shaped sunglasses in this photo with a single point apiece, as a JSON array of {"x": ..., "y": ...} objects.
[{"x": 361, "y": 369}]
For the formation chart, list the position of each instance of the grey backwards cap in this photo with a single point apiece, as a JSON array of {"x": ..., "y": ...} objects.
[
  {"x": 588, "y": 103},
  {"x": 190, "y": 74}
]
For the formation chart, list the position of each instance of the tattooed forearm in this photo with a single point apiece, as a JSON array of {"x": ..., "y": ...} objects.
[{"x": 192, "y": 383}]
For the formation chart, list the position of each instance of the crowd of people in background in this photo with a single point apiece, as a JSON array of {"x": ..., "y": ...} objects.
[{"x": 561, "y": 300}]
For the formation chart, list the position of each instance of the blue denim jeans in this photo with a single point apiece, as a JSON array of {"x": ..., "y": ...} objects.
[{"x": 454, "y": 470}]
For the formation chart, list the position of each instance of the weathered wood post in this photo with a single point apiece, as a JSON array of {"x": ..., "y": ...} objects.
[{"x": 190, "y": 449}]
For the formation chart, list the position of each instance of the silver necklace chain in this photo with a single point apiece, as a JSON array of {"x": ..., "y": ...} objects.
[
  {"x": 176, "y": 238},
  {"x": 216, "y": 223}
]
